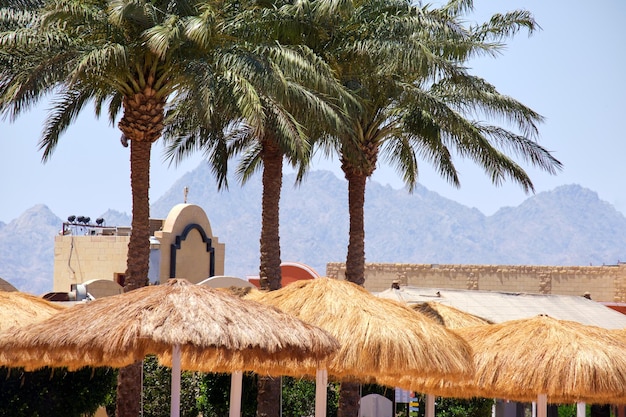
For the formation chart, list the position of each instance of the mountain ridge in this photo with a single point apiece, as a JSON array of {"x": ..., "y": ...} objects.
[{"x": 566, "y": 226}]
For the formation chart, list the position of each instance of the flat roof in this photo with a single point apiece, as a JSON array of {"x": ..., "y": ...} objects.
[{"x": 498, "y": 307}]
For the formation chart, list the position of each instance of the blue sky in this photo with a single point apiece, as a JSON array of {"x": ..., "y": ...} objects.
[{"x": 572, "y": 72}]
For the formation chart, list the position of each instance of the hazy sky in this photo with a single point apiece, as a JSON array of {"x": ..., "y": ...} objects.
[{"x": 572, "y": 72}]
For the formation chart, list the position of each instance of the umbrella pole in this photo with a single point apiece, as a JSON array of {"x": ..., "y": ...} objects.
[
  {"x": 430, "y": 405},
  {"x": 175, "y": 394},
  {"x": 236, "y": 383},
  {"x": 321, "y": 383},
  {"x": 581, "y": 409},
  {"x": 542, "y": 405}
]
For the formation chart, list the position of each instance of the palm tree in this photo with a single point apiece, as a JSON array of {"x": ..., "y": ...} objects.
[
  {"x": 285, "y": 135},
  {"x": 279, "y": 97},
  {"x": 407, "y": 65},
  {"x": 287, "y": 97},
  {"x": 136, "y": 57}
]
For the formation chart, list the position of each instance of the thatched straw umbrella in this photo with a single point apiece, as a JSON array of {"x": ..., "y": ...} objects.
[
  {"x": 451, "y": 318},
  {"x": 546, "y": 359},
  {"x": 171, "y": 320},
  {"x": 377, "y": 336},
  {"x": 448, "y": 316},
  {"x": 21, "y": 309}
]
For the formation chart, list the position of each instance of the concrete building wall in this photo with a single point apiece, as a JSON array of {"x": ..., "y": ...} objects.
[
  {"x": 79, "y": 258},
  {"x": 603, "y": 283},
  {"x": 188, "y": 230}
]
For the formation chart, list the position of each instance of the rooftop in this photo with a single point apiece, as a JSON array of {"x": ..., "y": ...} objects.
[{"x": 498, "y": 307}]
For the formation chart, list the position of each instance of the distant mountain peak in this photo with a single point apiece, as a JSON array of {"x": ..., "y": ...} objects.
[
  {"x": 116, "y": 218},
  {"x": 569, "y": 225},
  {"x": 38, "y": 214}
]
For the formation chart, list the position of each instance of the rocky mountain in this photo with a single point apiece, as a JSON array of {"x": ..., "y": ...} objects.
[
  {"x": 116, "y": 218},
  {"x": 27, "y": 249},
  {"x": 569, "y": 225}
]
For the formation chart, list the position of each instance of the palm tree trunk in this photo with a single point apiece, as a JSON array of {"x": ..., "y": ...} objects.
[
  {"x": 350, "y": 393},
  {"x": 269, "y": 396},
  {"x": 138, "y": 248},
  {"x": 129, "y": 378},
  {"x": 349, "y": 399},
  {"x": 269, "y": 389},
  {"x": 142, "y": 124},
  {"x": 270, "y": 276},
  {"x": 129, "y": 385},
  {"x": 355, "y": 259}
]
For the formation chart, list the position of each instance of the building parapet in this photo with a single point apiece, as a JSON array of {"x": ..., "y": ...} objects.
[{"x": 604, "y": 283}]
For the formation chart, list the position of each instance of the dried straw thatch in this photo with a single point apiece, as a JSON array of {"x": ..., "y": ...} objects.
[
  {"x": 451, "y": 318},
  {"x": 440, "y": 387},
  {"x": 226, "y": 332},
  {"x": 21, "y": 309},
  {"x": 448, "y": 316},
  {"x": 377, "y": 336},
  {"x": 564, "y": 360}
]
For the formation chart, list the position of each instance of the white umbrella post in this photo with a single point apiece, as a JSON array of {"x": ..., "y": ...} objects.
[
  {"x": 542, "y": 405},
  {"x": 581, "y": 409},
  {"x": 236, "y": 383},
  {"x": 430, "y": 405},
  {"x": 175, "y": 394},
  {"x": 321, "y": 383}
]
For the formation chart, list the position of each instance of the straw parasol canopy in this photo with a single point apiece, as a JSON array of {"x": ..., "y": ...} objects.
[
  {"x": 448, "y": 316},
  {"x": 377, "y": 336},
  {"x": 451, "y": 318},
  {"x": 21, "y": 309},
  {"x": 228, "y": 333},
  {"x": 563, "y": 360}
]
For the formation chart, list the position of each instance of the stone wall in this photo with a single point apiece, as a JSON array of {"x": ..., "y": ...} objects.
[
  {"x": 82, "y": 258},
  {"x": 603, "y": 283}
]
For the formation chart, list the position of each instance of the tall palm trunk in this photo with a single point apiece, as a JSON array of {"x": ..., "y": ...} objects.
[
  {"x": 357, "y": 176},
  {"x": 349, "y": 393},
  {"x": 129, "y": 378},
  {"x": 349, "y": 399},
  {"x": 355, "y": 259},
  {"x": 138, "y": 247},
  {"x": 142, "y": 124},
  {"x": 269, "y": 396},
  {"x": 129, "y": 385},
  {"x": 269, "y": 389},
  {"x": 270, "y": 276}
]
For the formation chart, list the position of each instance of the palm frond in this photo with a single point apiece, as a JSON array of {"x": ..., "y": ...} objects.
[
  {"x": 250, "y": 161},
  {"x": 502, "y": 26},
  {"x": 475, "y": 97},
  {"x": 161, "y": 38},
  {"x": 21, "y": 4},
  {"x": 521, "y": 146},
  {"x": 63, "y": 113},
  {"x": 16, "y": 18}
]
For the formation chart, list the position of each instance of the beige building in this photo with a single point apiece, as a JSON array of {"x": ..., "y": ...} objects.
[
  {"x": 602, "y": 283},
  {"x": 182, "y": 246}
]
